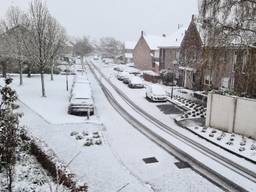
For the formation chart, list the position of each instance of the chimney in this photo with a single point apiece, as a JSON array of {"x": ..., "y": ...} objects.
[
  {"x": 163, "y": 35},
  {"x": 193, "y": 17},
  {"x": 142, "y": 33}
]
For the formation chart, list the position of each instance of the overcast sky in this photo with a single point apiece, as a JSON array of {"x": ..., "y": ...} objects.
[{"x": 122, "y": 19}]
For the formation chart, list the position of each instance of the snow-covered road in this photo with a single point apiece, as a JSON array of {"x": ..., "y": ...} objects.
[
  {"x": 117, "y": 164},
  {"x": 137, "y": 95}
]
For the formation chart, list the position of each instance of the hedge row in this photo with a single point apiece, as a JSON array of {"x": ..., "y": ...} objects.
[{"x": 49, "y": 161}]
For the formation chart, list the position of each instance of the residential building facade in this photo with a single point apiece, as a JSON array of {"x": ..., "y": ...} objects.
[
  {"x": 129, "y": 47},
  {"x": 157, "y": 53}
]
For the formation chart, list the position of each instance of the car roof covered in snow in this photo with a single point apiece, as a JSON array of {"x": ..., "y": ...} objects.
[
  {"x": 157, "y": 89},
  {"x": 124, "y": 73},
  {"x": 135, "y": 79},
  {"x": 82, "y": 91},
  {"x": 131, "y": 70}
]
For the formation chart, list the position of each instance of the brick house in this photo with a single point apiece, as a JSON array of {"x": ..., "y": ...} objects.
[
  {"x": 228, "y": 61},
  {"x": 204, "y": 67},
  {"x": 145, "y": 53},
  {"x": 157, "y": 52},
  {"x": 170, "y": 52},
  {"x": 190, "y": 54}
]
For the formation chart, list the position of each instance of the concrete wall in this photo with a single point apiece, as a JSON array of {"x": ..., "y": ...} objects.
[
  {"x": 245, "y": 121},
  {"x": 232, "y": 114},
  {"x": 141, "y": 55}
]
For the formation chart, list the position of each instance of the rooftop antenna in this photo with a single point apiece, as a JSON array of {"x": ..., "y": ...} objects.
[{"x": 179, "y": 26}]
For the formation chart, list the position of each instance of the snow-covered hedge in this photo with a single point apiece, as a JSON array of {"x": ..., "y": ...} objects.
[{"x": 49, "y": 160}]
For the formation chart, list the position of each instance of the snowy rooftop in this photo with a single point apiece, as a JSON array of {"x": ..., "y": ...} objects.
[
  {"x": 149, "y": 72},
  {"x": 173, "y": 40},
  {"x": 129, "y": 44}
]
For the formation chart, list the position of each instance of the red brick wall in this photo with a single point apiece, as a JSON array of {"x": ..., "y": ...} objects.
[{"x": 141, "y": 55}]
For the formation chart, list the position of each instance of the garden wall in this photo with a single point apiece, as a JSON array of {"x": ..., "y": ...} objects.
[{"x": 232, "y": 114}]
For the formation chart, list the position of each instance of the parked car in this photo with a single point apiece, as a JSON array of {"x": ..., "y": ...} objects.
[
  {"x": 132, "y": 70},
  {"x": 127, "y": 77},
  {"x": 156, "y": 93},
  {"x": 107, "y": 60},
  {"x": 81, "y": 100},
  {"x": 68, "y": 72},
  {"x": 95, "y": 58},
  {"x": 130, "y": 65},
  {"x": 119, "y": 68},
  {"x": 120, "y": 76},
  {"x": 136, "y": 82}
]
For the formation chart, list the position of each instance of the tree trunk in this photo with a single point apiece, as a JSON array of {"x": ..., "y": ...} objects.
[
  {"x": 52, "y": 67},
  {"x": 82, "y": 64},
  {"x": 42, "y": 83},
  {"x": 10, "y": 179},
  {"x": 21, "y": 78},
  {"x": 29, "y": 71},
  {"x": 4, "y": 68}
]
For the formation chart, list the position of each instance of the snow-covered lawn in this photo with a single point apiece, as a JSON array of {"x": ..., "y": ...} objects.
[{"x": 54, "y": 107}]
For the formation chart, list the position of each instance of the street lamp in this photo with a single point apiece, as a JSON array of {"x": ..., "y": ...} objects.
[{"x": 67, "y": 71}]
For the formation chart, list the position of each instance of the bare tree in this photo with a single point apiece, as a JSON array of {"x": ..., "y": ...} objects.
[
  {"x": 230, "y": 26},
  {"x": 12, "y": 36},
  {"x": 46, "y": 37},
  {"x": 111, "y": 47},
  {"x": 83, "y": 47}
]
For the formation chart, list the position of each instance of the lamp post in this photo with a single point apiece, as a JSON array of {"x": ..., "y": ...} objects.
[
  {"x": 67, "y": 71},
  {"x": 172, "y": 92}
]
